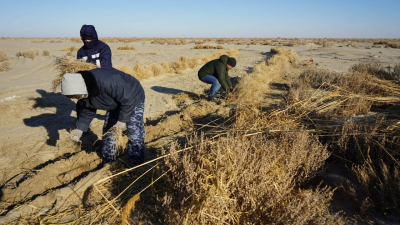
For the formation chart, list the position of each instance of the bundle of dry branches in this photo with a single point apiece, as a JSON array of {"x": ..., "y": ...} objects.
[{"x": 65, "y": 65}]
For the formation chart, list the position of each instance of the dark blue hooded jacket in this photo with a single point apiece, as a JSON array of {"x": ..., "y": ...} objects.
[
  {"x": 95, "y": 51},
  {"x": 108, "y": 89}
]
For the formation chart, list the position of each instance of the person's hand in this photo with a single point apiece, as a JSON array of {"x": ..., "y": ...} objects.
[
  {"x": 122, "y": 125},
  {"x": 75, "y": 135},
  {"x": 231, "y": 96}
]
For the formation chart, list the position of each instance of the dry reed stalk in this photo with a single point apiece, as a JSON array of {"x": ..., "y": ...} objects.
[{"x": 129, "y": 207}]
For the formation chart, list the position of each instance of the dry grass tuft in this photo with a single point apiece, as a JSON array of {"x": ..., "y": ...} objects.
[
  {"x": 126, "y": 48},
  {"x": 120, "y": 139},
  {"x": 64, "y": 65},
  {"x": 3, "y": 57},
  {"x": 70, "y": 49},
  {"x": 28, "y": 54},
  {"x": 208, "y": 47},
  {"x": 46, "y": 53},
  {"x": 5, "y": 66},
  {"x": 326, "y": 44}
]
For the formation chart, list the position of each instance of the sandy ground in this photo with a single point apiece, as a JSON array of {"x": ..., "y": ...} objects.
[{"x": 42, "y": 172}]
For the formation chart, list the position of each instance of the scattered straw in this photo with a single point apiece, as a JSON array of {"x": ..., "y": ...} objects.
[{"x": 64, "y": 65}]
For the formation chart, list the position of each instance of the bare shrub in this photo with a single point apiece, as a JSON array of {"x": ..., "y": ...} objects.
[
  {"x": 326, "y": 44},
  {"x": 374, "y": 68},
  {"x": 28, "y": 54},
  {"x": 253, "y": 179},
  {"x": 126, "y": 48},
  {"x": 46, "y": 53},
  {"x": 5, "y": 66},
  {"x": 3, "y": 57}
]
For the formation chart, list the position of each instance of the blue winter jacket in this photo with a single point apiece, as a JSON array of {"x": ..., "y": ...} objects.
[
  {"x": 95, "y": 51},
  {"x": 108, "y": 89}
]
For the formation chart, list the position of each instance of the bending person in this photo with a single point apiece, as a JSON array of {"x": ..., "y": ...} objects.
[
  {"x": 215, "y": 73},
  {"x": 121, "y": 95}
]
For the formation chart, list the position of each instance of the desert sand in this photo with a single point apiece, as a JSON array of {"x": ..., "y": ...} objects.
[{"x": 42, "y": 172}]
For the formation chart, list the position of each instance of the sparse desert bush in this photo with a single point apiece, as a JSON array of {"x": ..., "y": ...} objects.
[
  {"x": 126, "y": 48},
  {"x": 208, "y": 47},
  {"x": 69, "y": 54},
  {"x": 28, "y": 54},
  {"x": 253, "y": 178},
  {"x": 326, "y": 44},
  {"x": 46, "y": 53},
  {"x": 393, "y": 45},
  {"x": 64, "y": 65},
  {"x": 5, "y": 66},
  {"x": 3, "y": 57}
]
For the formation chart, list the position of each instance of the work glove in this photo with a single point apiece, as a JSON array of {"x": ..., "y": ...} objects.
[
  {"x": 75, "y": 135},
  {"x": 122, "y": 125}
]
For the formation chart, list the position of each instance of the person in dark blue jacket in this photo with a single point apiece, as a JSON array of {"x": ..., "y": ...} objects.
[
  {"x": 121, "y": 95},
  {"x": 93, "y": 50}
]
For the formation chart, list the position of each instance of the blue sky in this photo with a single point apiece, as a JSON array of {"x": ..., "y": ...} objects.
[{"x": 205, "y": 18}]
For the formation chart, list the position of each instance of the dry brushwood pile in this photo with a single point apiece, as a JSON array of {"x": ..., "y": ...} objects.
[
  {"x": 252, "y": 160},
  {"x": 253, "y": 168}
]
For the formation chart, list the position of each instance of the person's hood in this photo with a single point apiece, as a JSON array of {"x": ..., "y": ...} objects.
[
  {"x": 73, "y": 84},
  {"x": 224, "y": 59},
  {"x": 89, "y": 30}
]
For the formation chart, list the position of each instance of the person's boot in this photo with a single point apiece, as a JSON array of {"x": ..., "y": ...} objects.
[{"x": 211, "y": 99}]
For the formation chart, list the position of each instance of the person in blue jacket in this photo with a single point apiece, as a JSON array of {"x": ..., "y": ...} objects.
[
  {"x": 121, "y": 95},
  {"x": 93, "y": 50}
]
